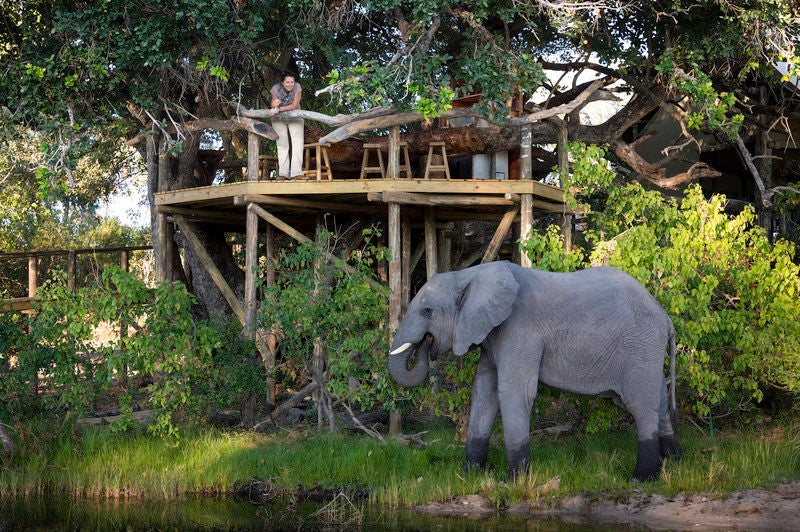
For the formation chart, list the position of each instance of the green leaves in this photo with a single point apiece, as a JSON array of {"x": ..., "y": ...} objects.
[{"x": 315, "y": 303}]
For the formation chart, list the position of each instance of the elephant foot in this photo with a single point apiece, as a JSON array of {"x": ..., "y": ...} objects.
[
  {"x": 670, "y": 447},
  {"x": 648, "y": 461},
  {"x": 519, "y": 462},
  {"x": 477, "y": 451}
]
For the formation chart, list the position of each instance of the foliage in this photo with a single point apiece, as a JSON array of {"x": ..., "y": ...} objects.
[
  {"x": 86, "y": 348},
  {"x": 318, "y": 303},
  {"x": 730, "y": 293},
  {"x": 547, "y": 251}
]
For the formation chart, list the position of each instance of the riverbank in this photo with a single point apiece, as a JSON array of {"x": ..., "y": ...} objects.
[{"x": 744, "y": 475}]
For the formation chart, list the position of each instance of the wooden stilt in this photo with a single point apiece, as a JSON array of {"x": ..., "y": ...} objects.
[
  {"x": 431, "y": 252},
  {"x": 525, "y": 224},
  {"x": 250, "y": 271},
  {"x": 395, "y": 272},
  {"x": 393, "y": 171},
  {"x": 405, "y": 265},
  {"x": 252, "y": 157}
]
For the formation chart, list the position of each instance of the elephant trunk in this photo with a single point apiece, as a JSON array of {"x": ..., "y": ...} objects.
[{"x": 411, "y": 376}]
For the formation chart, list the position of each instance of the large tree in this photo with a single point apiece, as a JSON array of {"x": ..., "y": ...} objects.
[{"x": 136, "y": 71}]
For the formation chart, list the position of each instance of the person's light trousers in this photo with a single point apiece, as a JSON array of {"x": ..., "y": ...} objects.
[{"x": 290, "y": 147}]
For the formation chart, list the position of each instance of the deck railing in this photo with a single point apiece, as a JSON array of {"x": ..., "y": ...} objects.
[{"x": 33, "y": 257}]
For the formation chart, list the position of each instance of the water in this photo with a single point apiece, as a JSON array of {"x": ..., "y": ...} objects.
[{"x": 227, "y": 514}]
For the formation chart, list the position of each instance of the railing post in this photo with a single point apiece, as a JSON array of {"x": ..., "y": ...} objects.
[{"x": 33, "y": 266}]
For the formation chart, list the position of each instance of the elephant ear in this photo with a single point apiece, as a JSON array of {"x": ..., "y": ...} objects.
[{"x": 487, "y": 294}]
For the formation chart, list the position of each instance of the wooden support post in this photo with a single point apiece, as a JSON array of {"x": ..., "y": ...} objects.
[
  {"x": 395, "y": 271},
  {"x": 525, "y": 158},
  {"x": 123, "y": 261},
  {"x": 430, "y": 242},
  {"x": 251, "y": 264},
  {"x": 525, "y": 224},
  {"x": 270, "y": 338},
  {"x": 252, "y": 157},
  {"x": 210, "y": 267},
  {"x": 33, "y": 272},
  {"x": 71, "y": 267},
  {"x": 564, "y": 220},
  {"x": 405, "y": 266},
  {"x": 393, "y": 172},
  {"x": 500, "y": 234},
  {"x": 445, "y": 245}
]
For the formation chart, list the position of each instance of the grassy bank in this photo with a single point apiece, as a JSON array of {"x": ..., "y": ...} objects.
[{"x": 99, "y": 464}]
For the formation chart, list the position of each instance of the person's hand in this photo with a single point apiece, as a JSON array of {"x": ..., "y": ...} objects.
[{"x": 273, "y": 111}]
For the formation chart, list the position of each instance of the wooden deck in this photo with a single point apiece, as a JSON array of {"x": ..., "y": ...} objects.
[{"x": 453, "y": 199}]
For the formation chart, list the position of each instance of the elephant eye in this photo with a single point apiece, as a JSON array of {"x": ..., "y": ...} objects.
[{"x": 427, "y": 312}]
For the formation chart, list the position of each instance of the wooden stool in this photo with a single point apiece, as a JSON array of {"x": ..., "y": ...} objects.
[
  {"x": 404, "y": 166},
  {"x": 322, "y": 162},
  {"x": 365, "y": 168},
  {"x": 444, "y": 167},
  {"x": 267, "y": 165}
]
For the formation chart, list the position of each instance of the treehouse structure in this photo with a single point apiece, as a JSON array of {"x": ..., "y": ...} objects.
[{"x": 412, "y": 183}]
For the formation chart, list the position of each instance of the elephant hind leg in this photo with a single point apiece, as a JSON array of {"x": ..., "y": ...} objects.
[
  {"x": 649, "y": 436},
  {"x": 670, "y": 447},
  {"x": 648, "y": 461}
]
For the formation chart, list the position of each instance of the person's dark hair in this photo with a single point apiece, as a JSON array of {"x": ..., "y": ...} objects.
[{"x": 286, "y": 73}]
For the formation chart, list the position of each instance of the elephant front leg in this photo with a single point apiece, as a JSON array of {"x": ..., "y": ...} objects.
[
  {"x": 517, "y": 396},
  {"x": 483, "y": 412}
]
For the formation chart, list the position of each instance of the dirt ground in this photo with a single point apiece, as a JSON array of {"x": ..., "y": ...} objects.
[{"x": 756, "y": 509}]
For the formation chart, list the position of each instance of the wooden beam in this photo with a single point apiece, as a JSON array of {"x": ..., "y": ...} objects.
[
  {"x": 313, "y": 205},
  {"x": 300, "y": 237},
  {"x": 432, "y": 200},
  {"x": 210, "y": 267},
  {"x": 233, "y": 218},
  {"x": 500, "y": 235},
  {"x": 16, "y": 304},
  {"x": 430, "y": 242}
]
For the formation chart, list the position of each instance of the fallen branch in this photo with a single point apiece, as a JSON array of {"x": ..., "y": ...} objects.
[
  {"x": 360, "y": 425},
  {"x": 287, "y": 405},
  {"x": 407, "y": 439},
  {"x": 554, "y": 431}
]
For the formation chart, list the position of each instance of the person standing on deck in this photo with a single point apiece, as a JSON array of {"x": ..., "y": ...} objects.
[{"x": 286, "y": 97}]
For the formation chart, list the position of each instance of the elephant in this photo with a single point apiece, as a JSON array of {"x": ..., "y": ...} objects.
[{"x": 595, "y": 331}]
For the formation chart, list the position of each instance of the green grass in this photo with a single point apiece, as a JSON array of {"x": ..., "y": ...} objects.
[{"x": 101, "y": 465}]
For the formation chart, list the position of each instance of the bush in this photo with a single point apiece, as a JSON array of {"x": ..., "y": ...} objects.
[
  {"x": 86, "y": 351},
  {"x": 730, "y": 293},
  {"x": 318, "y": 303}
]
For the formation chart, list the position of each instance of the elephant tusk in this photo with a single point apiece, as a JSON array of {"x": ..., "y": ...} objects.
[{"x": 401, "y": 348}]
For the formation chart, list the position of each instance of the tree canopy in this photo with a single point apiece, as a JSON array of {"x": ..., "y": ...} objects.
[{"x": 90, "y": 77}]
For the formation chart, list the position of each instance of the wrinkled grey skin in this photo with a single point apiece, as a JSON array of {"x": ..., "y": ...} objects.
[{"x": 596, "y": 331}]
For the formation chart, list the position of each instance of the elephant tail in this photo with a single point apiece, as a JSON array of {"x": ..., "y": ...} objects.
[{"x": 673, "y": 382}]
